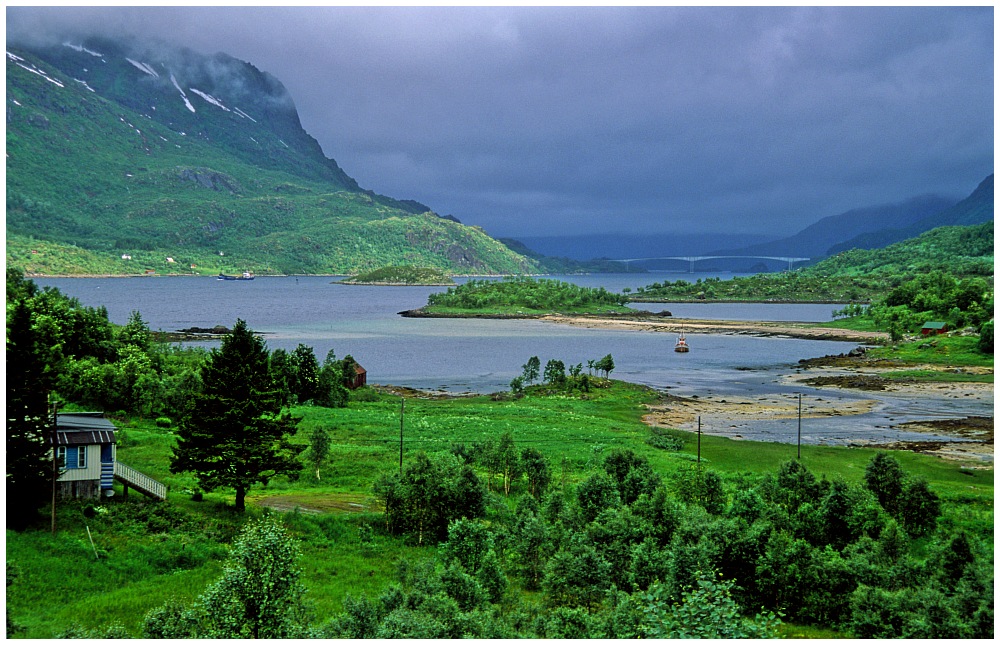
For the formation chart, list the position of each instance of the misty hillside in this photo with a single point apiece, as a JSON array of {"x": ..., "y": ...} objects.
[
  {"x": 122, "y": 155},
  {"x": 974, "y": 209},
  {"x": 815, "y": 240}
]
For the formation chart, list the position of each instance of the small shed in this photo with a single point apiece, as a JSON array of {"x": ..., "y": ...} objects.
[
  {"x": 360, "y": 377},
  {"x": 933, "y": 328},
  {"x": 85, "y": 443}
]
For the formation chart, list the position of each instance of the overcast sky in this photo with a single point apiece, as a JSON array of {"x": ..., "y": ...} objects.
[{"x": 530, "y": 121}]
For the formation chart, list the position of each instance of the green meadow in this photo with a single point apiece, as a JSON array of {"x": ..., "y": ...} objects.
[{"x": 144, "y": 554}]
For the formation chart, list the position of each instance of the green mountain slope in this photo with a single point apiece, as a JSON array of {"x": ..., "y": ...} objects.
[
  {"x": 961, "y": 250},
  {"x": 161, "y": 153},
  {"x": 858, "y": 275}
]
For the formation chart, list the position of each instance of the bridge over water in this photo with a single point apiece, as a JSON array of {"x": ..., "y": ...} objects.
[{"x": 691, "y": 259}]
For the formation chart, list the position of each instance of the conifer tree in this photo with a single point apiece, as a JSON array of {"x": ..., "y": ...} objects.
[
  {"x": 29, "y": 466},
  {"x": 236, "y": 434}
]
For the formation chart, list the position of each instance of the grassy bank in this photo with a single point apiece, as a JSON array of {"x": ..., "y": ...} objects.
[{"x": 945, "y": 358}]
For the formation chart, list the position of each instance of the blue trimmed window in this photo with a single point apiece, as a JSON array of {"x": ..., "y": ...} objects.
[{"x": 75, "y": 457}]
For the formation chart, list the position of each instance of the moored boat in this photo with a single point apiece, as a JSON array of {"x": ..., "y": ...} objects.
[
  {"x": 681, "y": 344},
  {"x": 247, "y": 275}
]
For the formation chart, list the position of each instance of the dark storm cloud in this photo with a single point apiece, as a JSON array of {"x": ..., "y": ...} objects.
[{"x": 536, "y": 120}]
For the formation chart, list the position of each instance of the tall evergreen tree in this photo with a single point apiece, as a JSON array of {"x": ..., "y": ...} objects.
[
  {"x": 236, "y": 435},
  {"x": 29, "y": 465},
  {"x": 306, "y": 373}
]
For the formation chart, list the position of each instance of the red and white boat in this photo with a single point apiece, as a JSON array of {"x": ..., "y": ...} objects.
[{"x": 681, "y": 344}]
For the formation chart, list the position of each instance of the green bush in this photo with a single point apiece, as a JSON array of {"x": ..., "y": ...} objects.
[{"x": 985, "y": 344}]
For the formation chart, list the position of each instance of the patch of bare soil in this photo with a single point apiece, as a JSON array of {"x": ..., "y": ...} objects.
[
  {"x": 677, "y": 412},
  {"x": 315, "y": 504},
  {"x": 976, "y": 432},
  {"x": 973, "y": 454},
  {"x": 854, "y": 381},
  {"x": 976, "y": 428}
]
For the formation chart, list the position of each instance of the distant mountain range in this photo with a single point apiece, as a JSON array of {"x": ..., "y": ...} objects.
[
  {"x": 974, "y": 209},
  {"x": 128, "y": 157},
  {"x": 862, "y": 228},
  {"x": 877, "y": 226},
  {"x": 633, "y": 245}
]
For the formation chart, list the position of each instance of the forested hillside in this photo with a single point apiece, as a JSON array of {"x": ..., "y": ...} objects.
[
  {"x": 162, "y": 159},
  {"x": 962, "y": 250},
  {"x": 955, "y": 253}
]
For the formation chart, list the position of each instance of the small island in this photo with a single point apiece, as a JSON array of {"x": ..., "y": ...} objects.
[
  {"x": 401, "y": 276},
  {"x": 520, "y": 297}
]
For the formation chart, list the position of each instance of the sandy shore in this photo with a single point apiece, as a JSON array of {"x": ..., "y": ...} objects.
[
  {"x": 700, "y": 326},
  {"x": 682, "y": 412},
  {"x": 741, "y": 417}
]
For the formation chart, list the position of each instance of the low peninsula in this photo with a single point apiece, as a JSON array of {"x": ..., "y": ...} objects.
[
  {"x": 401, "y": 276},
  {"x": 520, "y": 297}
]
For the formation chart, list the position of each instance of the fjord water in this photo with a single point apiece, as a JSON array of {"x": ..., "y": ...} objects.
[
  {"x": 482, "y": 356},
  {"x": 450, "y": 354}
]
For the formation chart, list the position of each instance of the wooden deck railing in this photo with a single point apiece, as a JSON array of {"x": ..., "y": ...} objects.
[{"x": 146, "y": 485}]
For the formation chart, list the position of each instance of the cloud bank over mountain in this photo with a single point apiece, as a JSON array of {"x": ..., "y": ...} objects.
[{"x": 529, "y": 121}]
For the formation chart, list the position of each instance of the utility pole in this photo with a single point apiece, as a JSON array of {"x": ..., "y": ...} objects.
[
  {"x": 699, "y": 439},
  {"x": 402, "y": 406},
  {"x": 55, "y": 462},
  {"x": 799, "y": 456}
]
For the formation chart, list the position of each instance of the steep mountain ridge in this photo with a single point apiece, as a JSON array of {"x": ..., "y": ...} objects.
[
  {"x": 974, "y": 209},
  {"x": 144, "y": 154}
]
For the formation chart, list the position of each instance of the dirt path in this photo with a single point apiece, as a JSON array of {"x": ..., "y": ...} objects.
[{"x": 314, "y": 504}]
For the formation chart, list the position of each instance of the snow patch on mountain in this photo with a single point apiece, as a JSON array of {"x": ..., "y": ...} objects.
[
  {"x": 82, "y": 49},
  {"x": 84, "y": 83},
  {"x": 183, "y": 95},
  {"x": 211, "y": 99},
  {"x": 143, "y": 67},
  {"x": 244, "y": 114},
  {"x": 31, "y": 68}
]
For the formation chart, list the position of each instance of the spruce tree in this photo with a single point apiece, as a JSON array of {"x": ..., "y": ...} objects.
[{"x": 236, "y": 434}]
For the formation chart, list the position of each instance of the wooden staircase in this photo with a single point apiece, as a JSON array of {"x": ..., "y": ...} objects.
[{"x": 148, "y": 486}]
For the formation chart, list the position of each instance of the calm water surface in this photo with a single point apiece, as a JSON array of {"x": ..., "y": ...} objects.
[{"x": 484, "y": 355}]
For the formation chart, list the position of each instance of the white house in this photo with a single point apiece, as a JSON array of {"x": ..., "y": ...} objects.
[{"x": 85, "y": 444}]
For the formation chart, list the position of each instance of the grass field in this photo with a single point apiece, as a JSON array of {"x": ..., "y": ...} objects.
[{"x": 148, "y": 553}]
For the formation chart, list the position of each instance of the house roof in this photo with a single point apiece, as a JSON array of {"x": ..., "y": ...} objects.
[
  {"x": 934, "y": 325},
  {"x": 83, "y": 428}
]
